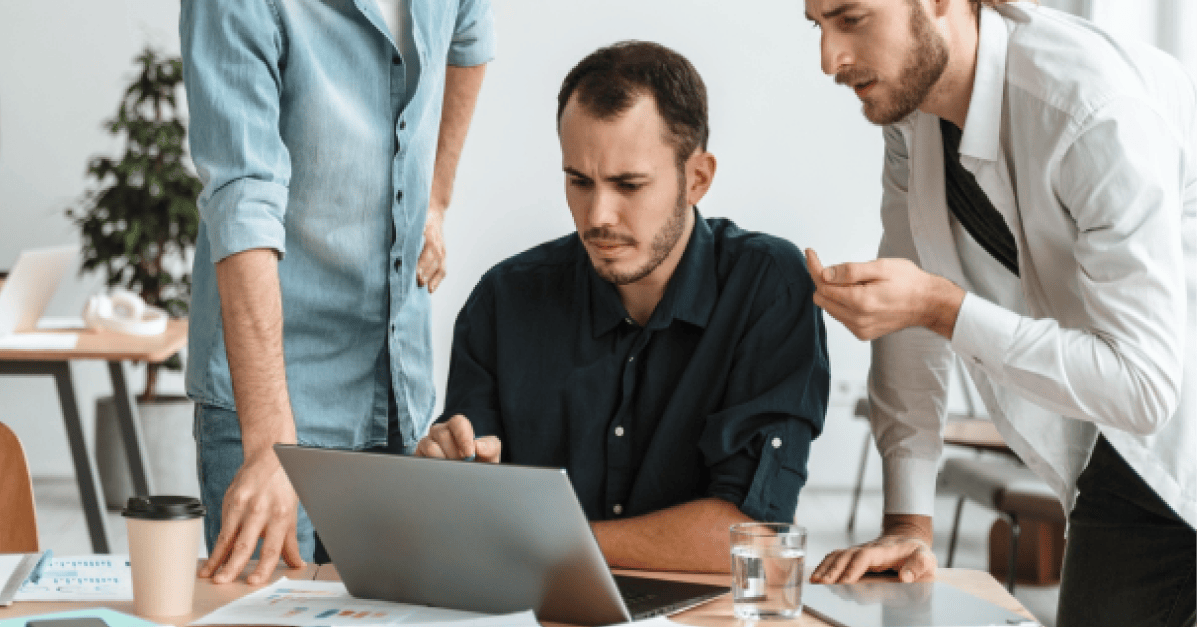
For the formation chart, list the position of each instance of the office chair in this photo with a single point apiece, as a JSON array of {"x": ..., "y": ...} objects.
[{"x": 18, "y": 516}]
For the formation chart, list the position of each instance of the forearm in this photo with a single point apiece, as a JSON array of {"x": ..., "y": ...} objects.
[
  {"x": 252, "y": 315},
  {"x": 692, "y": 537},
  {"x": 458, "y": 105}
]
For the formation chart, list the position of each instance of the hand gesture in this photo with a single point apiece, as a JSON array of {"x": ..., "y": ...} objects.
[
  {"x": 878, "y": 297},
  {"x": 455, "y": 439},
  {"x": 260, "y": 503}
]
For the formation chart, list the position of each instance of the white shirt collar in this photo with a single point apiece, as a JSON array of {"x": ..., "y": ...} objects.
[{"x": 981, "y": 135}]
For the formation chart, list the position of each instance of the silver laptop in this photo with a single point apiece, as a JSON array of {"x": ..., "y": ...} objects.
[
  {"x": 493, "y": 538},
  {"x": 30, "y": 285}
]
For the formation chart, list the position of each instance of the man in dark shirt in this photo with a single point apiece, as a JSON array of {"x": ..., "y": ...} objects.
[{"x": 675, "y": 366}]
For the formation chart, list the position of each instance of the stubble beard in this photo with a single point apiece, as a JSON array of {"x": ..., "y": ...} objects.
[
  {"x": 927, "y": 60},
  {"x": 660, "y": 247}
]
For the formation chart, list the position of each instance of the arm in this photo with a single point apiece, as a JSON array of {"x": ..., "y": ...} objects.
[
  {"x": 909, "y": 375},
  {"x": 1121, "y": 364},
  {"x": 245, "y": 168},
  {"x": 471, "y": 47},
  {"x": 692, "y": 537}
]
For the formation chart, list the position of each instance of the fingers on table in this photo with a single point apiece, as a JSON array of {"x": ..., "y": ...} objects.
[{"x": 274, "y": 538}]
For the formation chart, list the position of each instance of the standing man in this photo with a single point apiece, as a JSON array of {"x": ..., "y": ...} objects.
[
  {"x": 1039, "y": 222},
  {"x": 327, "y": 136}
]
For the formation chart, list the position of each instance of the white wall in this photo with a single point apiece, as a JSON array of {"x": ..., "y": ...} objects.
[{"x": 795, "y": 156}]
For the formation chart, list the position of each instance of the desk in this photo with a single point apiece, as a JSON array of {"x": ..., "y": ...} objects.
[
  {"x": 718, "y": 613},
  {"x": 114, "y": 348}
]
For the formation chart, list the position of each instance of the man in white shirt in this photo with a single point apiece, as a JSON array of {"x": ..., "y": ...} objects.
[{"x": 1039, "y": 223}]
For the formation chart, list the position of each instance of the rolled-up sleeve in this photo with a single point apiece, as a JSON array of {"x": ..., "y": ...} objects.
[
  {"x": 757, "y": 446},
  {"x": 233, "y": 52},
  {"x": 474, "y": 41}
]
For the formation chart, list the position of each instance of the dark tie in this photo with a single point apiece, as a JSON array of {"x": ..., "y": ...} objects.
[{"x": 969, "y": 203}]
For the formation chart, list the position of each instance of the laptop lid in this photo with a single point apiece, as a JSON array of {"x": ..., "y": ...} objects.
[
  {"x": 479, "y": 537},
  {"x": 30, "y": 285},
  {"x": 894, "y": 604}
]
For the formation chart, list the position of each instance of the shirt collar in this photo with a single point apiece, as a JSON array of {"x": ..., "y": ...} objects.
[
  {"x": 981, "y": 134},
  {"x": 691, "y": 293}
]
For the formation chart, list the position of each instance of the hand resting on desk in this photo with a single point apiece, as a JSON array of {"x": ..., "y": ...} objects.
[{"x": 455, "y": 439}]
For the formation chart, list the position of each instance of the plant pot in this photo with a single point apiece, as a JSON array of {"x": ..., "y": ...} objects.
[{"x": 167, "y": 438}]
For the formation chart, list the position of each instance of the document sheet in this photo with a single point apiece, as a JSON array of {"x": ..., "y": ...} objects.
[
  {"x": 83, "y": 578},
  {"x": 327, "y": 603}
]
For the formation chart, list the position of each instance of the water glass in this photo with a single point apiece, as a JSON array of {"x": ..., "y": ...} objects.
[{"x": 768, "y": 569}]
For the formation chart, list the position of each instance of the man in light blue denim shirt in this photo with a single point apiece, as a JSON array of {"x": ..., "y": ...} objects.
[{"x": 327, "y": 152}]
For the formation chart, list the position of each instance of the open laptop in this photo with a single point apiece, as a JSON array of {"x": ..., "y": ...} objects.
[
  {"x": 493, "y": 538},
  {"x": 30, "y": 285}
]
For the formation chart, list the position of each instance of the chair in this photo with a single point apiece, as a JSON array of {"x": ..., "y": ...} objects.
[
  {"x": 1021, "y": 498},
  {"x": 18, "y": 516}
]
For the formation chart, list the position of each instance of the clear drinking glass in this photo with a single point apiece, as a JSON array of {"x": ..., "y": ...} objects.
[{"x": 768, "y": 569}]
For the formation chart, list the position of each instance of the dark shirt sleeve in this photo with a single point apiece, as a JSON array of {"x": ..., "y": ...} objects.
[
  {"x": 757, "y": 445},
  {"x": 471, "y": 389}
]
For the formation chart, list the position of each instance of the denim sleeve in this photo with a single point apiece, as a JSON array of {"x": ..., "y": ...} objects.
[
  {"x": 471, "y": 388},
  {"x": 474, "y": 41},
  {"x": 233, "y": 54},
  {"x": 757, "y": 445}
]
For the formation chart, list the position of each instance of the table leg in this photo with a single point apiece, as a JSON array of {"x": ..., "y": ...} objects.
[
  {"x": 131, "y": 429},
  {"x": 85, "y": 466}
]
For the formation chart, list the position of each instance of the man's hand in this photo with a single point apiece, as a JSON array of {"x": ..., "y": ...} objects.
[
  {"x": 878, "y": 297},
  {"x": 455, "y": 439},
  {"x": 904, "y": 547},
  {"x": 260, "y": 503},
  {"x": 431, "y": 265}
]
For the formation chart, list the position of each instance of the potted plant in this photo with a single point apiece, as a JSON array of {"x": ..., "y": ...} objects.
[{"x": 139, "y": 224}]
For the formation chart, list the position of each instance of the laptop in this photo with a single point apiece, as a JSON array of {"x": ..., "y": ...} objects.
[
  {"x": 30, "y": 285},
  {"x": 494, "y": 538}
]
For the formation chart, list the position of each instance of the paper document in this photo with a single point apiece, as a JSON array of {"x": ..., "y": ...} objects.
[
  {"x": 320, "y": 603},
  {"x": 39, "y": 341},
  {"x": 83, "y": 578},
  {"x": 14, "y": 568}
]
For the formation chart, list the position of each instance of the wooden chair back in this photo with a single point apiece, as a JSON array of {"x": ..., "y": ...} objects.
[{"x": 18, "y": 516}]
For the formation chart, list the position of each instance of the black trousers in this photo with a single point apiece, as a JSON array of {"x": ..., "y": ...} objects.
[{"x": 1130, "y": 559}]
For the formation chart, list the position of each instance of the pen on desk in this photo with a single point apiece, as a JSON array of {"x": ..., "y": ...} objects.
[{"x": 36, "y": 573}]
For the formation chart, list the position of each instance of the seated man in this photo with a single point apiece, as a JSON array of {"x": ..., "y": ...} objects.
[{"x": 675, "y": 366}]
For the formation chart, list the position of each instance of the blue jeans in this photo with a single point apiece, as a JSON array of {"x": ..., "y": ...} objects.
[{"x": 219, "y": 457}]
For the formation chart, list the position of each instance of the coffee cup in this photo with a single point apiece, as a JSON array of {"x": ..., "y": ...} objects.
[{"x": 164, "y": 544}]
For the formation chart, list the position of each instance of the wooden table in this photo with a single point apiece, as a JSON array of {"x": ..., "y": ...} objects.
[
  {"x": 718, "y": 613},
  {"x": 116, "y": 349}
]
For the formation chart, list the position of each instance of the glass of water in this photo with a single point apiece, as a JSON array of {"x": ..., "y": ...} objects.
[{"x": 768, "y": 569}]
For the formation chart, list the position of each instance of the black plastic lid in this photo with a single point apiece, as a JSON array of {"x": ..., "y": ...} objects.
[{"x": 163, "y": 508}]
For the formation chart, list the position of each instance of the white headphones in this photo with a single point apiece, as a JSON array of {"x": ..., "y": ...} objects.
[{"x": 124, "y": 312}]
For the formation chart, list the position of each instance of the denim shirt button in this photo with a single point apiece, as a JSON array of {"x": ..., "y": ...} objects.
[
  {"x": 397, "y": 265},
  {"x": 399, "y": 195},
  {"x": 403, "y": 124},
  {"x": 396, "y": 60}
]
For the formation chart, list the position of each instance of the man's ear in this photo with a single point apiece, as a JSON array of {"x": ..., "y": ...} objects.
[{"x": 700, "y": 169}]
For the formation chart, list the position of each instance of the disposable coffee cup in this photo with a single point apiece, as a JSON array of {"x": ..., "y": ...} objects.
[{"x": 164, "y": 545}]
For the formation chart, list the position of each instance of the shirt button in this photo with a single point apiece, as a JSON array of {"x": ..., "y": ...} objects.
[
  {"x": 617, "y": 509},
  {"x": 631, "y": 359},
  {"x": 396, "y": 265},
  {"x": 977, "y": 360},
  {"x": 776, "y": 443},
  {"x": 620, "y": 431},
  {"x": 397, "y": 60},
  {"x": 403, "y": 124},
  {"x": 629, "y": 321},
  {"x": 393, "y": 328},
  {"x": 399, "y": 195}
]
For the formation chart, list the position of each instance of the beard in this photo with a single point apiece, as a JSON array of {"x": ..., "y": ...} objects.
[
  {"x": 660, "y": 247},
  {"x": 923, "y": 66}
]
